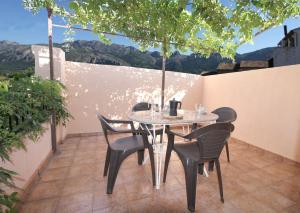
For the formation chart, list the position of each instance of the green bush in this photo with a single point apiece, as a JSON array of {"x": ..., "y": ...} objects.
[{"x": 26, "y": 102}]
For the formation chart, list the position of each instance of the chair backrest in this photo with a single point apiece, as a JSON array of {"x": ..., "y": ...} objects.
[
  {"x": 142, "y": 106},
  {"x": 106, "y": 127},
  {"x": 211, "y": 139},
  {"x": 226, "y": 114}
]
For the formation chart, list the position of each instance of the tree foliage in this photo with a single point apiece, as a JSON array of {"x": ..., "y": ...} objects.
[
  {"x": 204, "y": 27},
  {"x": 26, "y": 102}
]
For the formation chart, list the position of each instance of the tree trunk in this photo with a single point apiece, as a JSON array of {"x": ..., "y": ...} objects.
[
  {"x": 163, "y": 81},
  {"x": 164, "y": 49},
  {"x": 53, "y": 116}
]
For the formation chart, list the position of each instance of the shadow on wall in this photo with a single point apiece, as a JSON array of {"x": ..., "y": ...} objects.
[{"x": 113, "y": 90}]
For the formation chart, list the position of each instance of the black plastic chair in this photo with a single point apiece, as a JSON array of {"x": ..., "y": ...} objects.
[
  {"x": 208, "y": 146},
  {"x": 226, "y": 115},
  {"x": 121, "y": 148},
  {"x": 144, "y": 106}
]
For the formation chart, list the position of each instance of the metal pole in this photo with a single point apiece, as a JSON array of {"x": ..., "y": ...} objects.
[{"x": 53, "y": 116}]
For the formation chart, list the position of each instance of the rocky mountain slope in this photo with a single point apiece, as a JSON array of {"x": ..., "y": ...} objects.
[{"x": 14, "y": 57}]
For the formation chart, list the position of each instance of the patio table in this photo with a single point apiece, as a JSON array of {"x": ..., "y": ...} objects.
[{"x": 158, "y": 120}]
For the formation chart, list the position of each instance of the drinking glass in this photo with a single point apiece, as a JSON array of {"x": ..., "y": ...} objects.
[
  {"x": 198, "y": 107},
  {"x": 166, "y": 108},
  {"x": 156, "y": 107}
]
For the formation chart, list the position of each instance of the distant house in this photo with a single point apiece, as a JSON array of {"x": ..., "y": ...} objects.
[
  {"x": 242, "y": 66},
  {"x": 253, "y": 65},
  {"x": 288, "y": 51}
]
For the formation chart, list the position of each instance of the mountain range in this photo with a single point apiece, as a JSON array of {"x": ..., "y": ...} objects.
[{"x": 17, "y": 57}]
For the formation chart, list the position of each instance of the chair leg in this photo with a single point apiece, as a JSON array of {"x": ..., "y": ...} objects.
[
  {"x": 140, "y": 156},
  {"x": 200, "y": 168},
  {"x": 114, "y": 166},
  {"x": 107, "y": 159},
  {"x": 190, "y": 170},
  {"x": 211, "y": 166},
  {"x": 219, "y": 179},
  {"x": 227, "y": 151},
  {"x": 151, "y": 156},
  {"x": 168, "y": 156}
]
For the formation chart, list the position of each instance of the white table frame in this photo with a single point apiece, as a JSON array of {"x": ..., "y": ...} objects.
[{"x": 158, "y": 147}]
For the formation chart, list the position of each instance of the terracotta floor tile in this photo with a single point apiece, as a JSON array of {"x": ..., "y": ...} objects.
[
  {"x": 231, "y": 189},
  {"x": 68, "y": 146},
  {"x": 260, "y": 161},
  {"x": 289, "y": 168},
  {"x": 272, "y": 198},
  {"x": 273, "y": 157},
  {"x": 115, "y": 209},
  {"x": 247, "y": 203},
  {"x": 83, "y": 153},
  {"x": 55, "y": 174},
  {"x": 82, "y": 170},
  {"x": 81, "y": 202},
  {"x": 118, "y": 197},
  {"x": 293, "y": 209},
  {"x": 78, "y": 184},
  {"x": 102, "y": 201},
  {"x": 254, "y": 181},
  {"x": 60, "y": 162},
  {"x": 276, "y": 170},
  {"x": 64, "y": 153},
  {"x": 84, "y": 159},
  {"x": 288, "y": 190},
  {"x": 45, "y": 190},
  {"x": 243, "y": 166},
  {"x": 229, "y": 170},
  {"x": 146, "y": 205},
  {"x": 45, "y": 206},
  {"x": 88, "y": 139},
  {"x": 265, "y": 178},
  {"x": 72, "y": 140},
  {"x": 295, "y": 180},
  {"x": 248, "y": 183}
]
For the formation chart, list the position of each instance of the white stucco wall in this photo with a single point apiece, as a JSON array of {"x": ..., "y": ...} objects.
[
  {"x": 113, "y": 90},
  {"x": 267, "y": 102},
  {"x": 26, "y": 162}
]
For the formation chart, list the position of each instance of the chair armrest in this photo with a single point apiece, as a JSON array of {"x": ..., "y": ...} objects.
[
  {"x": 120, "y": 122},
  {"x": 128, "y": 131},
  {"x": 176, "y": 134}
]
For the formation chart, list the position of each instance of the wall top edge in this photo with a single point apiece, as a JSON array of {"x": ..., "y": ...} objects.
[
  {"x": 288, "y": 68},
  {"x": 43, "y": 51},
  {"x": 127, "y": 68}
]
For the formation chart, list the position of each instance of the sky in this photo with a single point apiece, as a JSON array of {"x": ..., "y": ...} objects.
[{"x": 19, "y": 25}]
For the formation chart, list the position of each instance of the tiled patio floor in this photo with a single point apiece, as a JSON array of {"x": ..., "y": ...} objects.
[{"x": 254, "y": 181}]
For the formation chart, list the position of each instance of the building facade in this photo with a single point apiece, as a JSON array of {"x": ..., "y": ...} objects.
[{"x": 288, "y": 51}]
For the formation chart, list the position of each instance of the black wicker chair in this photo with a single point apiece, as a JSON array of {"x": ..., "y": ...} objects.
[
  {"x": 208, "y": 146},
  {"x": 121, "y": 148}
]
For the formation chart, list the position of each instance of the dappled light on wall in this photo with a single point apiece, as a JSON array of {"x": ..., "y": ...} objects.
[{"x": 113, "y": 90}]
